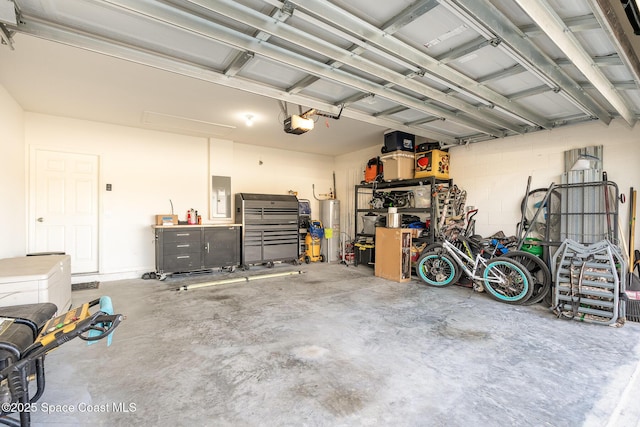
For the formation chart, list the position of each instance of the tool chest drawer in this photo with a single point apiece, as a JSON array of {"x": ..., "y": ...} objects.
[
  {"x": 182, "y": 236},
  {"x": 173, "y": 248},
  {"x": 182, "y": 262}
]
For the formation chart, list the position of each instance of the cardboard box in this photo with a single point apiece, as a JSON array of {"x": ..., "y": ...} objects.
[
  {"x": 398, "y": 165},
  {"x": 432, "y": 163},
  {"x": 167, "y": 219}
]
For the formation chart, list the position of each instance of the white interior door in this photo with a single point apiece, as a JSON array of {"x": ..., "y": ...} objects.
[{"x": 64, "y": 212}]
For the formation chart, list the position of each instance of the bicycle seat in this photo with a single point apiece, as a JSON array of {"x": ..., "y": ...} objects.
[{"x": 479, "y": 241}]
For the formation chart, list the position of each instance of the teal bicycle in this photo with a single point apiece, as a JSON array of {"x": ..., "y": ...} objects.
[{"x": 504, "y": 279}]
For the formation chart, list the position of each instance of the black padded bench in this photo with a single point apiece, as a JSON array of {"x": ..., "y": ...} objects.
[{"x": 19, "y": 328}]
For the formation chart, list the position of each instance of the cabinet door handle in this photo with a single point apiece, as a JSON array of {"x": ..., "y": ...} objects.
[
  {"x": 183, "y": 256},
  {"x": 207, "y": 247},
  {"x": 182, "y": 246},
  {"x": 183, "y": 234}
]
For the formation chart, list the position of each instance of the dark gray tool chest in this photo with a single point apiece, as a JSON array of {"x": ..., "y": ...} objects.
[{"x": 269, "y": 228}]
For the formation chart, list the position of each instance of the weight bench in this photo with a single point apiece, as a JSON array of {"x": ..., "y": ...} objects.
[{"x": 27, "y": 333}]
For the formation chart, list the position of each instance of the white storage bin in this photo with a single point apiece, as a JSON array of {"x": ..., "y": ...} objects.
[{"x": 36, "y": 279}]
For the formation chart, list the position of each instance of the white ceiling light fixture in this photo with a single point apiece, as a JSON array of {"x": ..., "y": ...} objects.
[
  {"x": 248, "y": 120},
  {"x": 553, "y": 26}
]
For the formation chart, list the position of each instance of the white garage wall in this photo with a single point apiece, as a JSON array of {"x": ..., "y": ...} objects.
[
  {"x": 495, "y": 174},
  {"x": 12, "y": 178},
  {"x": 281, "y": 171},
  {"x": 145, "y": 169},
  {"x": 148, "y": 168}
]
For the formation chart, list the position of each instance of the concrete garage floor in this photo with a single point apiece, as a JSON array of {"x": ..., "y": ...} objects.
[{"x": 336, "y": 346}]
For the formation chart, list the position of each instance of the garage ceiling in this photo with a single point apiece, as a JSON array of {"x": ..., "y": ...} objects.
[{"x": 454, "y": 71}]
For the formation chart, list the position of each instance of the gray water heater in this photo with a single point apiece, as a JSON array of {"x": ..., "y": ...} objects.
[{"x": 330, "y": 217}]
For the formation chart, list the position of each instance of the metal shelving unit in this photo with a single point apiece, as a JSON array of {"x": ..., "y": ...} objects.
[{"x": 364, "y": 195}]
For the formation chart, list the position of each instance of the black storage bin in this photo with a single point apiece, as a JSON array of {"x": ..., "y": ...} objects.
[
  {"x": 365, "y": 254},
  {"x": 398, "y": 140}
]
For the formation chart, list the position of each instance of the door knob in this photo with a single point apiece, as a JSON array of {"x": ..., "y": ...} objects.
[{"x": 40, "y": 219}]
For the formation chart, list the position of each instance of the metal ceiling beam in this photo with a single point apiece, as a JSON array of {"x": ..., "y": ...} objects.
[
  {"x": 530, "y": 92},
  {"x": 517, "y": 69},
  {"x": 394, "y": 24},
  {"x": 581, "y": 23},
  {"x": 309, "y": 80},
  {"x": 9, "y": 16},
  {"x": 575, "y": 24},
  {"x": 422, "y": 121},
  {"x": 359, "y": 48},
  {"x": 390, "y": 111},
  {"x": 484, "y": 14},
  {"x": 409, "y": 15},
  {"x": 255, "y": 19},
  {"x": 446, "y": 75},
  {"x": 395, "y": 79},
  {"x": 5, "y": 36},
  {"x": 303, "y": 83},
  {"x": 628, "y": 85},
  {"x": 238, "y": 40},
  {"x": 243, "y": 58},
  {"x": 601, "y": 61},
  {"x": 230, "y": 37},
  {"x": 547, "y": 19},
  {"x": 463, "y": 50},
  {"x": 72, "y": 37},
  {"x": 607, "y": 17},
  {"x": 507, "y": 72},
  {"x": 354, "y": 98},
  {"x": 570, "y": 120}
]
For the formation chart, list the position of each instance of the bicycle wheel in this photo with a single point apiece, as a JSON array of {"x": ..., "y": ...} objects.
[
  {"x": 434, "y": 247},
  {"x": 539, "y": 271},
  {"x": 437, "y": 269},
  {"x": 507, "y": 281}
]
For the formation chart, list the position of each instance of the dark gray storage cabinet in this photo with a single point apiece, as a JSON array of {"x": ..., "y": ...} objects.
[
  {"x": 186, "y": 248},
  {"x": 222, "y": 246},
  {"x": 269, "y": 228}
]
